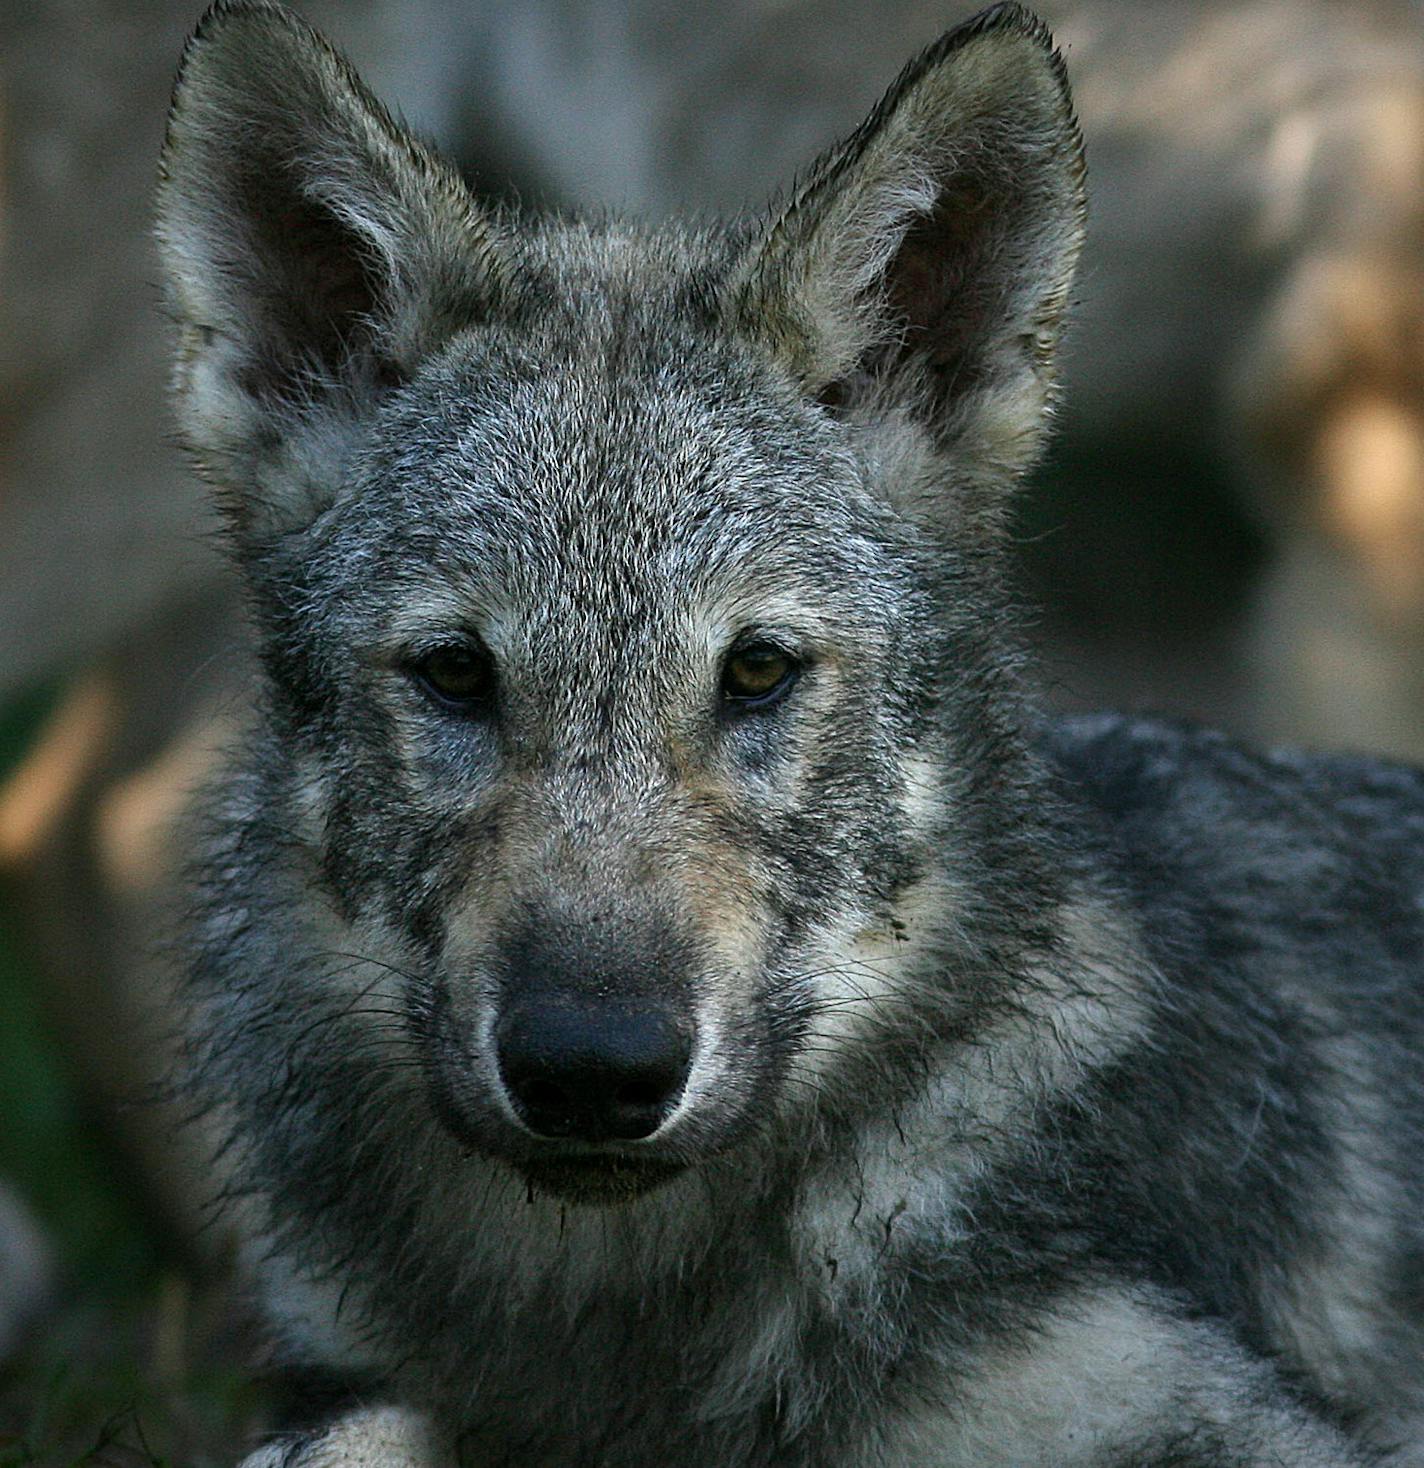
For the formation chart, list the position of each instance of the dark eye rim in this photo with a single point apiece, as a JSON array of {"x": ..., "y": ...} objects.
[
  {"x": 418, "y": 669},
  {"x": 742, "y": 703}
]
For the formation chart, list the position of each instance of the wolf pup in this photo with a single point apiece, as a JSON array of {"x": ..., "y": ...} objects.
[{"x": 669, "y": 994}]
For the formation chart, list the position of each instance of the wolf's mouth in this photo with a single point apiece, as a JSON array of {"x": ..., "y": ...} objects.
[{"x": 598, "y": 1180}]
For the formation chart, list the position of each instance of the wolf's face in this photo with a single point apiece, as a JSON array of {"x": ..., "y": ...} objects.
[
  {"x": 620, "y": 694},
  {"x": 606, "y": 580}
]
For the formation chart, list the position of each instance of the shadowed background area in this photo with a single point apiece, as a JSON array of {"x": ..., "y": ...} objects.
[{"x": 1230, "y": 525}]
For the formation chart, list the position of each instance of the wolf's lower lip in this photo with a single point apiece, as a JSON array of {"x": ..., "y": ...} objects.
[{"x": 598, "y": 1180}]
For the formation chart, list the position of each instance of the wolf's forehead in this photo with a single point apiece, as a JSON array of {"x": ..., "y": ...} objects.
[
  {"x": 633, "y": 403},
  {"x": 638, "y": 469}
]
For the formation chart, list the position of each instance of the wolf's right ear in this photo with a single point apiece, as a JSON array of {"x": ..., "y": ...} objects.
[{"x": 313, "y": 252}]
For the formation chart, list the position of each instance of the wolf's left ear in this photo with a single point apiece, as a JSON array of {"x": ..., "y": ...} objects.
[
  {"x": 313, "y": 253},
  {"x": 924, "y": 267}
]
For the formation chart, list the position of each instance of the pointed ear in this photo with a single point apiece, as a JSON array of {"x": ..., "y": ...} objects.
[
  {"x": 313, "y": 253},
  {"x": 924, "y": 267}
]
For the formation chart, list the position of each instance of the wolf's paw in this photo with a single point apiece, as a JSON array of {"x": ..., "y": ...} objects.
[{"x": 375, "y": 1437}]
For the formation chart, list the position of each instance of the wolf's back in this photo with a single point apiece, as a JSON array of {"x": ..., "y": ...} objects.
[{"x": 1262, "y": 1149}]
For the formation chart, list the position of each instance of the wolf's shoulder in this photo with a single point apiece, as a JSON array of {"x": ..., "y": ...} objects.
[
  {"x": 1126, "y": 760},
  {"x": 1288, "y": 836}
]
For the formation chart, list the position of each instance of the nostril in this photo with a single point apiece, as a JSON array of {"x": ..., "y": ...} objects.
[
  {"x": 640, "y": 1093},
  {"x": 592, "y": 1071},
  {"x": 543, "y": 1095}
]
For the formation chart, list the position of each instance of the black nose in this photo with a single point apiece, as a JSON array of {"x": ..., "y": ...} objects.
[{"x": 592, "y": 1071}]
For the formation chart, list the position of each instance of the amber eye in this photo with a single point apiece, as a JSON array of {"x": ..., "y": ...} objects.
[
  {"x": 757, "y": 674},
  {"x": 460, "y": 676}
]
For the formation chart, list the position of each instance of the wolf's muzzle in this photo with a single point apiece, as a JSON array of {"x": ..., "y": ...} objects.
[{"x": 585, "y": 1069}]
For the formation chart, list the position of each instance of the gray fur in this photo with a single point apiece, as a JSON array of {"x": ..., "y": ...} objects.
[{"x": 1047, "y": 1093}]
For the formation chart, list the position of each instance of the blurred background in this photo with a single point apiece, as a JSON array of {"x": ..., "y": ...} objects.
[{"x": 1229, "y": 525}]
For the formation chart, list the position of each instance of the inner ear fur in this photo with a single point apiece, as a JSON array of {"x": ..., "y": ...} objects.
[
  {"x": 924, "y": 266},
  {"x": 313, "y": 251}
]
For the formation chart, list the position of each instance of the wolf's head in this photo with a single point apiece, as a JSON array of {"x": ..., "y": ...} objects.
[{"x": 627, "y": 599}]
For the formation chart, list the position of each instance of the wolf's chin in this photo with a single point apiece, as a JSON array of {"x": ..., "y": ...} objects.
[{"x": 598, "y": 1182}]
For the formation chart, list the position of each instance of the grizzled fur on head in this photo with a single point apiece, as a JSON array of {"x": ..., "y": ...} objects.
[{"x": 316, "y": 255}]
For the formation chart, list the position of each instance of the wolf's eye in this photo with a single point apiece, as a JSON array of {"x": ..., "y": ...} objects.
[
  {"x": 460, "y": 676},
  {"x": 757, "y": 675}
]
